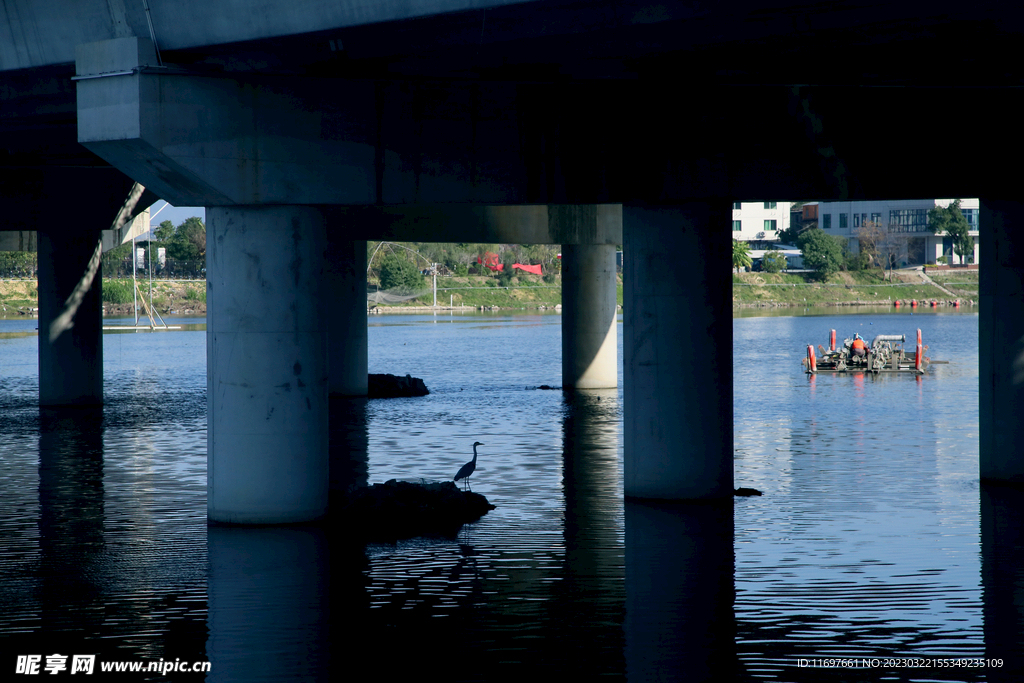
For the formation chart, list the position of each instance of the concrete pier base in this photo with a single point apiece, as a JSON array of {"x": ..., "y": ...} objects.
[
  {"x": 677, "y": 355},
  {"x": 70, "y": 320},
  {"x": 589, "y": 343},
  {"x": 267, "y": 368},
  {"x": 1001, "y": 342},
  {"x": 346, "y": 286}
]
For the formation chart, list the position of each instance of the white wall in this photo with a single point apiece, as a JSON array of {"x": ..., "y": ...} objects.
[{"x": 752, "y": 216}]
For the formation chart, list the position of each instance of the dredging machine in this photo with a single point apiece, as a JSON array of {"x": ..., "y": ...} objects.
[{"x": 886, "y": 353}]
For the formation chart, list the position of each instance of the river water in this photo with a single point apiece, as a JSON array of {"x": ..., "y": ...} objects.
[{"x": 869, "y": 540}]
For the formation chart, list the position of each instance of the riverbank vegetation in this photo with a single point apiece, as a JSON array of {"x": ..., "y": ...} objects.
[
  {"x": 849, "y": 287},
  {"x": 465, "y": 280}
]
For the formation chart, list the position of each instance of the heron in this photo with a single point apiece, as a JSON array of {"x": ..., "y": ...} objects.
[{"x": 469, "y": 467}]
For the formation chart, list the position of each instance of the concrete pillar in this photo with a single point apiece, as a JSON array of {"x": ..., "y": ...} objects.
[
  {"x": 589, "y": 340},
  {"x": 1001, "y": 342},
  {"x": 70, "y": 320},
  {"x": 346, "y": 293},
  {"x": 266, "y": 365},
  {"x": 677, "y": 355}
]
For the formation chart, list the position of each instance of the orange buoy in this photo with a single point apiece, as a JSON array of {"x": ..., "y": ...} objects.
[
  {"x": 934, "y": 304},
  {"x": 920, "y": 354},
  {"x": 956, "y": 304},
  {"x": 913, "y": 303},
  {"x": 811, "y": 362},
  {"x": 896, "y": 303},
  {"x": 832, "y": 341}
]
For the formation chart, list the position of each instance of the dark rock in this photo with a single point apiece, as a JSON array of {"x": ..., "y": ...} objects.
[
  {"x": 747, "y": 492},
  {"x": 392, "y": 386},
  {"x": 546, "y": 387},
  {"x": 401, "y": 509}
]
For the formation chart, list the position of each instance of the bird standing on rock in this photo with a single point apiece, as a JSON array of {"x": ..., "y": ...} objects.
[{"x": 469, "y": 467}]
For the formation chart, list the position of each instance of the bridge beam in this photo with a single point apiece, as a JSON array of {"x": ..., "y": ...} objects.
[
  {"x": 267, "y": 370},
  {"x": 677, "y": 355},
  {"x": 1001, "y": 343}
]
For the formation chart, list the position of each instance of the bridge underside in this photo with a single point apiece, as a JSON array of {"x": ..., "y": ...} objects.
[{"x": 545, "y": 122}]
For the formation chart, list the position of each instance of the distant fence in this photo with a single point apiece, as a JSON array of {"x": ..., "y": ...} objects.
[
  {"x": 171, "y": 269},
  {"x": 24, "y": 265},
  {"x": 18, "y": 264}
]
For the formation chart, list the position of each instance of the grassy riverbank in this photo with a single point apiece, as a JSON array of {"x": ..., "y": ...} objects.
[
  {"x": 475, "y": 291},
  {"x": 21, "y": 297},
  {"x": 850, "y": 288}
]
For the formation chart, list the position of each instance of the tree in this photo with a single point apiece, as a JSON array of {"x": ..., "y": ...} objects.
[
  {"x": 951, "y": 221},
  {"x": 740, "y": 255},
  {"x": 890, "y": 247},
  {"x": 188, "y": 242},
  {"x": 164, "y": 232},
  {"x": 397, "y": 273},
  {"x": 871, "y": 239},
  {"x": 774, "y": 261},
  {"x": 822, "y": 252}
]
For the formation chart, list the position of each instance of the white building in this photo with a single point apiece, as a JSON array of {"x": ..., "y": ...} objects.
[
  {"x": 907, "y": 219},
  {"x": 759, "y": 221}
]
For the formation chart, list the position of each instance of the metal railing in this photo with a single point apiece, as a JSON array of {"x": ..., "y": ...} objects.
[{"x": 171, "y": 269}]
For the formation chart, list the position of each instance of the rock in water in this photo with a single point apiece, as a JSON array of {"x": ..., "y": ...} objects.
[
  {"x": 401, "y": 509},
  {"x": 392, "y": 386},
  {"x": 747, "y": 492}
]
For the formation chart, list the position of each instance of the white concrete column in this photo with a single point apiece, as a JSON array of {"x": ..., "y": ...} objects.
[
  {"x": 346, "y": 286},
  {"x": 266, "y": 365},
  {"x": 589, "y": 340},
  {"x": 70, "y": 320},
  {"x": 677, "y": 356},
  {"x": 1001, "y": 342}
]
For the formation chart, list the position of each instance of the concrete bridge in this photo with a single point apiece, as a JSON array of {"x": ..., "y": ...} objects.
[{"x": 306, "y": 127}]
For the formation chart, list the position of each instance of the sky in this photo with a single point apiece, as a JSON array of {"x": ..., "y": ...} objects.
[{"x": 174, "y": 214}]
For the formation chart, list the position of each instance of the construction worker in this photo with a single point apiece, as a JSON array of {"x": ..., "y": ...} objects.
[{"x": 858, "y": 348}]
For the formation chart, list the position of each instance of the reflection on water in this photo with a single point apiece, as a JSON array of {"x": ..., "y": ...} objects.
[
  {"x": 680, "y": 590},
  {"x": 869, "y": 540}
]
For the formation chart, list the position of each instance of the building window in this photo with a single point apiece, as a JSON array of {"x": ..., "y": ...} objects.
[
  {"x": 842, "y": 221},
  {"x": 972, "y": 217},
  {"x": 736, "y": 226},
  {"x": 876, "y": 218},
  {"x": 737, "y": 205},
  {"x": 770, "y": 205},
  {"x": 769, "y": 225},
  {"x": 908, "y": 220},
  {"x": 856, "y": 220},
  {"x": 863, "y": 218},
  {"x": 826, "y": 221}
]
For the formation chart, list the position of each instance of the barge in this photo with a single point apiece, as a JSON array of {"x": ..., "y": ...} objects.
[{"x": 886, "y": 353}]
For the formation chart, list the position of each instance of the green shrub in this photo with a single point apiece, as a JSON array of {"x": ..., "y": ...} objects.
[
  {"x": 116, "y": 292},
  {"x": 462, "y": 270},
  {"x": 774, "y": 261},
  {"x": 193, "y": 294},
  {"x": 400, "y": 274}
]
